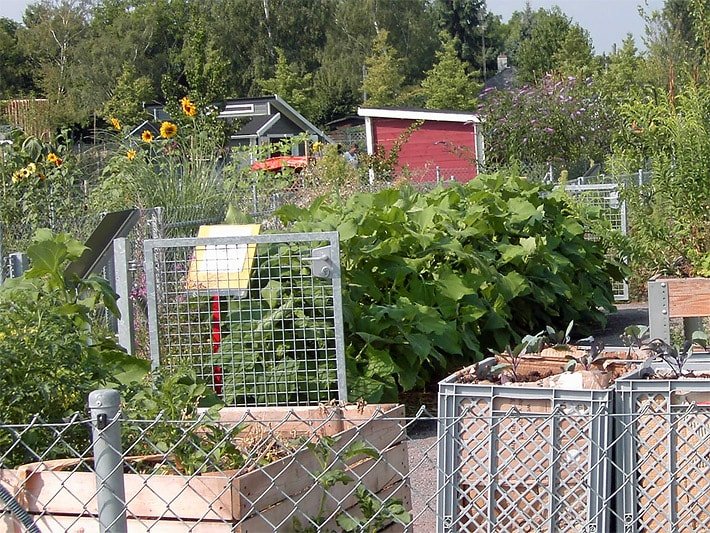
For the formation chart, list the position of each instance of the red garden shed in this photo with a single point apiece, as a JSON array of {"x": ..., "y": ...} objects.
[{"x": 434, "y": 144}]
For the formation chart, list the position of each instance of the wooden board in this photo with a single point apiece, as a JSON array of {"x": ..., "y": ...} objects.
[
  {"x": 688, "y": 297},
  {"x": 54, "y": 488}
]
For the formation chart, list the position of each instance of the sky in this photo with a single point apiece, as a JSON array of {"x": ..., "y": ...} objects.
[{"x": 608, "y": 21}]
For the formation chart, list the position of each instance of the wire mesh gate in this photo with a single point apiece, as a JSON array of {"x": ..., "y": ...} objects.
[
  {"x": 605, "y": 196},
  {"x": 258, "y": 317}
]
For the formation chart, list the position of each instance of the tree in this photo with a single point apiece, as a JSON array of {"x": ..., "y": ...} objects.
[
  {"x": 15, "y": 75},
  {"x": 291, "y": 83},
  {"x": 53, "y": 30},
  {"x": 678, "y": 40},
  {"x": 575, "y": 55},
  {"x": 128, "y": 98},
  {"x": 554, "y": 44},
  {"x": 448, "y": 85},
  {"x": 624, "y": 78},
  {"x": 383, "y": 80},
  {"x": 463, "y": 20}
]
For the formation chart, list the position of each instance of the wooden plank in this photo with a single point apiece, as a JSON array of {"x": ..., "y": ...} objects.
[
  {"x": 294, "y": 474},
  {"x": 295, "y": 421},
  {"x": 87, "y": 524},
  {"x": 171, "y": 496},
  {"x": 271, "y": 519},
  {"x": 688, "y": 297}
]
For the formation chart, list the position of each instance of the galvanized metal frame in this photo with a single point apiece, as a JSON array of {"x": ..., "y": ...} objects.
[
  {"x": 322, "y": 263},
  {"x": 621, "y": 290},
  {"x": 640, "y": 402},
  {"x": 659, "y": 321}
]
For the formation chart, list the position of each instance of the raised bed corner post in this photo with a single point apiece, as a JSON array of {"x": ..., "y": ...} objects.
[
  {"x": 658, "y": 313},
  {"x": 108, "y": 461}
]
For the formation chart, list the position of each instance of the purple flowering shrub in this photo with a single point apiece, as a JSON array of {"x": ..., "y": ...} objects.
[{"x": 560, "y": 121}]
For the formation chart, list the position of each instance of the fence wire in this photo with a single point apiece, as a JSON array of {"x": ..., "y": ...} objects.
[
  {"x": 370, "y": 468},
  {"x": 257, "y": 317}
]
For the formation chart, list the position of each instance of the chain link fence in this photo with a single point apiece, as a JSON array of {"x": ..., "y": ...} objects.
[{"x": 358, "y": 468}]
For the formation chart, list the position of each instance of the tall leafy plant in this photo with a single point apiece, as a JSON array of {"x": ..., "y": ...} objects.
[
  {"x": 433, "y": 281},
  {"x": 670, "y": 213}
]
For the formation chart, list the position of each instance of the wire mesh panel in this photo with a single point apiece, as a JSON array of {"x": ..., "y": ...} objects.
[
  {"x": 664, "y": 447},
  {"x": 258, "y": 317},
  {"x": 605, "y": 197},
  {"x": 522, "y": 458}
]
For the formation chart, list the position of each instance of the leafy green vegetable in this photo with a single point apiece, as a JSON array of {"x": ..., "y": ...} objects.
[{"x": 432, "y": 281}]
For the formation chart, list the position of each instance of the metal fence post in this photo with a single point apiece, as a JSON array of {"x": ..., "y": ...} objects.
[
  {"x": 122, "y": 286},
  {"x": 19, "y": 263},
  {"x": 108, "y": 462}
]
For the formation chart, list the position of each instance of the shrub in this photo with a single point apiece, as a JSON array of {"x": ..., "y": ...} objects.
[{"x": 433, "y": 281}]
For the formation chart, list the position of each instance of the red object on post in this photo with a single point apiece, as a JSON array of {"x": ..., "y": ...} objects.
[{"x": 215, "y": 307}]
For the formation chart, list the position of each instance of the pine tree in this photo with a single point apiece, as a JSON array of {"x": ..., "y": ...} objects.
[
  {"x": 448, "y": 85},
  {"x": 290, "y": 84},
  {"x": 383, "y": 80}
]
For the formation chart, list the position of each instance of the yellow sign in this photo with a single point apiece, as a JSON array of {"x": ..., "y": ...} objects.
[{"x": 222, "y": 267}]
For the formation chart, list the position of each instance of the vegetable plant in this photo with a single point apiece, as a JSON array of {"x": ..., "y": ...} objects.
[{"x": 432, "y": 281}]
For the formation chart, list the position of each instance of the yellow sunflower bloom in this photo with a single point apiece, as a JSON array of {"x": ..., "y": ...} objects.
[
  {"x": 24, "y": 173},
  {"x": 52, "y": 157},
  {"x": 32, "y": 168},
  {"x": 188, "y": 107},
  {"x": 147, "y": 136},
  {"x": 16, "y": 176},
  {"x": 115, "y": 123},
  {"x": 131, "y": 155},
  {"x": 168, "y": 130}
]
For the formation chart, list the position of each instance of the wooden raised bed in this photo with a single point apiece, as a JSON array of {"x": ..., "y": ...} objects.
[
  {"x": 259, "y": 500},
  {"x": 676, "y": 298}
]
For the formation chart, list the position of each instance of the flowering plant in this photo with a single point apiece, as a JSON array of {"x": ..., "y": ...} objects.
[
  {"x": 172, "y": 164},
  {"x": 558, "y": 121},
  {"x": 41, "y": 185}
]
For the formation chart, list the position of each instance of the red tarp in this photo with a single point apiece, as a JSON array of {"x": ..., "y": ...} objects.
[{"x": 274, "y": 164}]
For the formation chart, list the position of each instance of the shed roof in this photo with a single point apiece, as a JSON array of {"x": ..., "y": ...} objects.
[{"x": 412, "y": 113}]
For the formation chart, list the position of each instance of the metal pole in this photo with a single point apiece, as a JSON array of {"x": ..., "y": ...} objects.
[
  {"x": 123, "y": 277},
  {"x": 438, "y": 174},
  {"x": 108, "y": 462},
  {"x": 19, "y": 263}
]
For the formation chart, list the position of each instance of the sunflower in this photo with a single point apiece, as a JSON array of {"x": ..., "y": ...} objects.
[
  {"x": 168, "y": 130},
  {"x": 188, "y": 107},
  {"x": 52, "y": 157},
  {"x": 115, "y": 123},
  {"x": 24, "y": 173},
  {"x": 32, "y": 168},
  {"x": 131, "y": 155},
  {"x": 147, "y": 136},
  {"x": 16, "y": 176}
]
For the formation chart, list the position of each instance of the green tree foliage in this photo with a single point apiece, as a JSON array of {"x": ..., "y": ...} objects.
[
  {"x": 203, "y": 61},
  {"x": 624, "y": 76},
  {"x": 677, "y": 38},
  {"x": 15, "y": 74},
  {"x": 290, "y": 83},
  {"x": 464, "y": 20},
  {"x": 53, "y": 30},
  {"x": 127, "y": 100},
  {"x": 383, "y": 80},
  {"x": 555, "y": 44},
  {"x": 671, "y": 213},
  {"x": 448, "y": 85}
]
